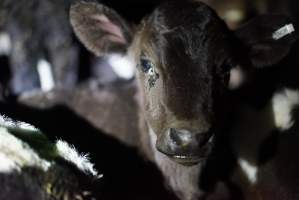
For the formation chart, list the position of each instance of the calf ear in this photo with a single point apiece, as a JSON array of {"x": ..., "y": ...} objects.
[
  {"x": 100, "y": 28},
  {"x": 268, "y": 39}
]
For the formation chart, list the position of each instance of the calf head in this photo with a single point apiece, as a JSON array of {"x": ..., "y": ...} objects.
[{"x": 183, "y": 54}]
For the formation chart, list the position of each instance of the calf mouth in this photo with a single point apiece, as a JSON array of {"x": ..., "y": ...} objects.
[
  {"x": 191, "y": 158},
  {"x": 187, "y": 160}
]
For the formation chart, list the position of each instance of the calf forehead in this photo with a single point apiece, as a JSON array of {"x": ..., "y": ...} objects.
[
  {"x": 187, "y": 78},
  {"x": 190, "y": 26},
  {"x": 191, "y": 38}
]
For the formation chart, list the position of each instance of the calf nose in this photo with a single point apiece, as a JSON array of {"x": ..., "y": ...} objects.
[
  {"x": 185, "y": 139},
  {"x": 183, "y": 145},
  {"x": 181, "y": 139}
]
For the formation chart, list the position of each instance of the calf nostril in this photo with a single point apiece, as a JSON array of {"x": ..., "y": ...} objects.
[
  {"x": 204, "y": 138},
  {"x": 180, "y": 137}
]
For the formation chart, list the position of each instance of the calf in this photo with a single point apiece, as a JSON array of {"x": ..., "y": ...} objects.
[
  {"x": 183, "y": 54},
  {"x": 33, "y": 168},
  {"x": 265, "y": 134},
  {"x": 183, "y": 65},
  {"x": 39, "y": 31}
]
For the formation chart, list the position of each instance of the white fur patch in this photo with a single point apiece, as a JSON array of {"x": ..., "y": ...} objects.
[
  {"x": 237, "y": 78},
  {"x": 6, "y": 163},
  {"x": 70, "y": 154},
  {"x": 15, "y": 154},
  {"x": 8, "y": 122},
  {"x": 122, "y": 66},
  {"x": 5, "y": 44},
  {"x": 45, "y": 75},
  {"x": 249, "y": 170},
  {"x": 283, "y": 103}
]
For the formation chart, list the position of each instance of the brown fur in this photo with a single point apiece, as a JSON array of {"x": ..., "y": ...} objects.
[{"x": 183, "y": 54}]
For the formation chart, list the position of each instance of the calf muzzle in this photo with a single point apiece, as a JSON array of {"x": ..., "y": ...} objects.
[{"x": 184, "y": 146}]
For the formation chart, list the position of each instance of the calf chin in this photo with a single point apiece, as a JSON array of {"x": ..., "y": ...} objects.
[{"x": 183, "y": 180}]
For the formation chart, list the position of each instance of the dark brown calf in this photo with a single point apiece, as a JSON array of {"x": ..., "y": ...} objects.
[{"x": 183, "y": 54}]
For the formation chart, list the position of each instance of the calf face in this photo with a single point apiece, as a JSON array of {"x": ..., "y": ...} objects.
[
  {"x": 183, "y": 54},
  {"x": 182, "y": 67}
]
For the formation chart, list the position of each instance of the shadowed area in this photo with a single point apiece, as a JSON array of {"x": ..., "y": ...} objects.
[{"x": 126, "y": 174}]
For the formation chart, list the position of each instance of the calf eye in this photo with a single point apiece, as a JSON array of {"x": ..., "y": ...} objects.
[{"x": 146, "y": 65}]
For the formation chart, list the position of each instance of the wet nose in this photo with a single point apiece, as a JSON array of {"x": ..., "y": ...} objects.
[
  {"x": 182, "y": 142},
  {"x": 187, "y": 139},
  {"x": 181, "y": 138}
]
